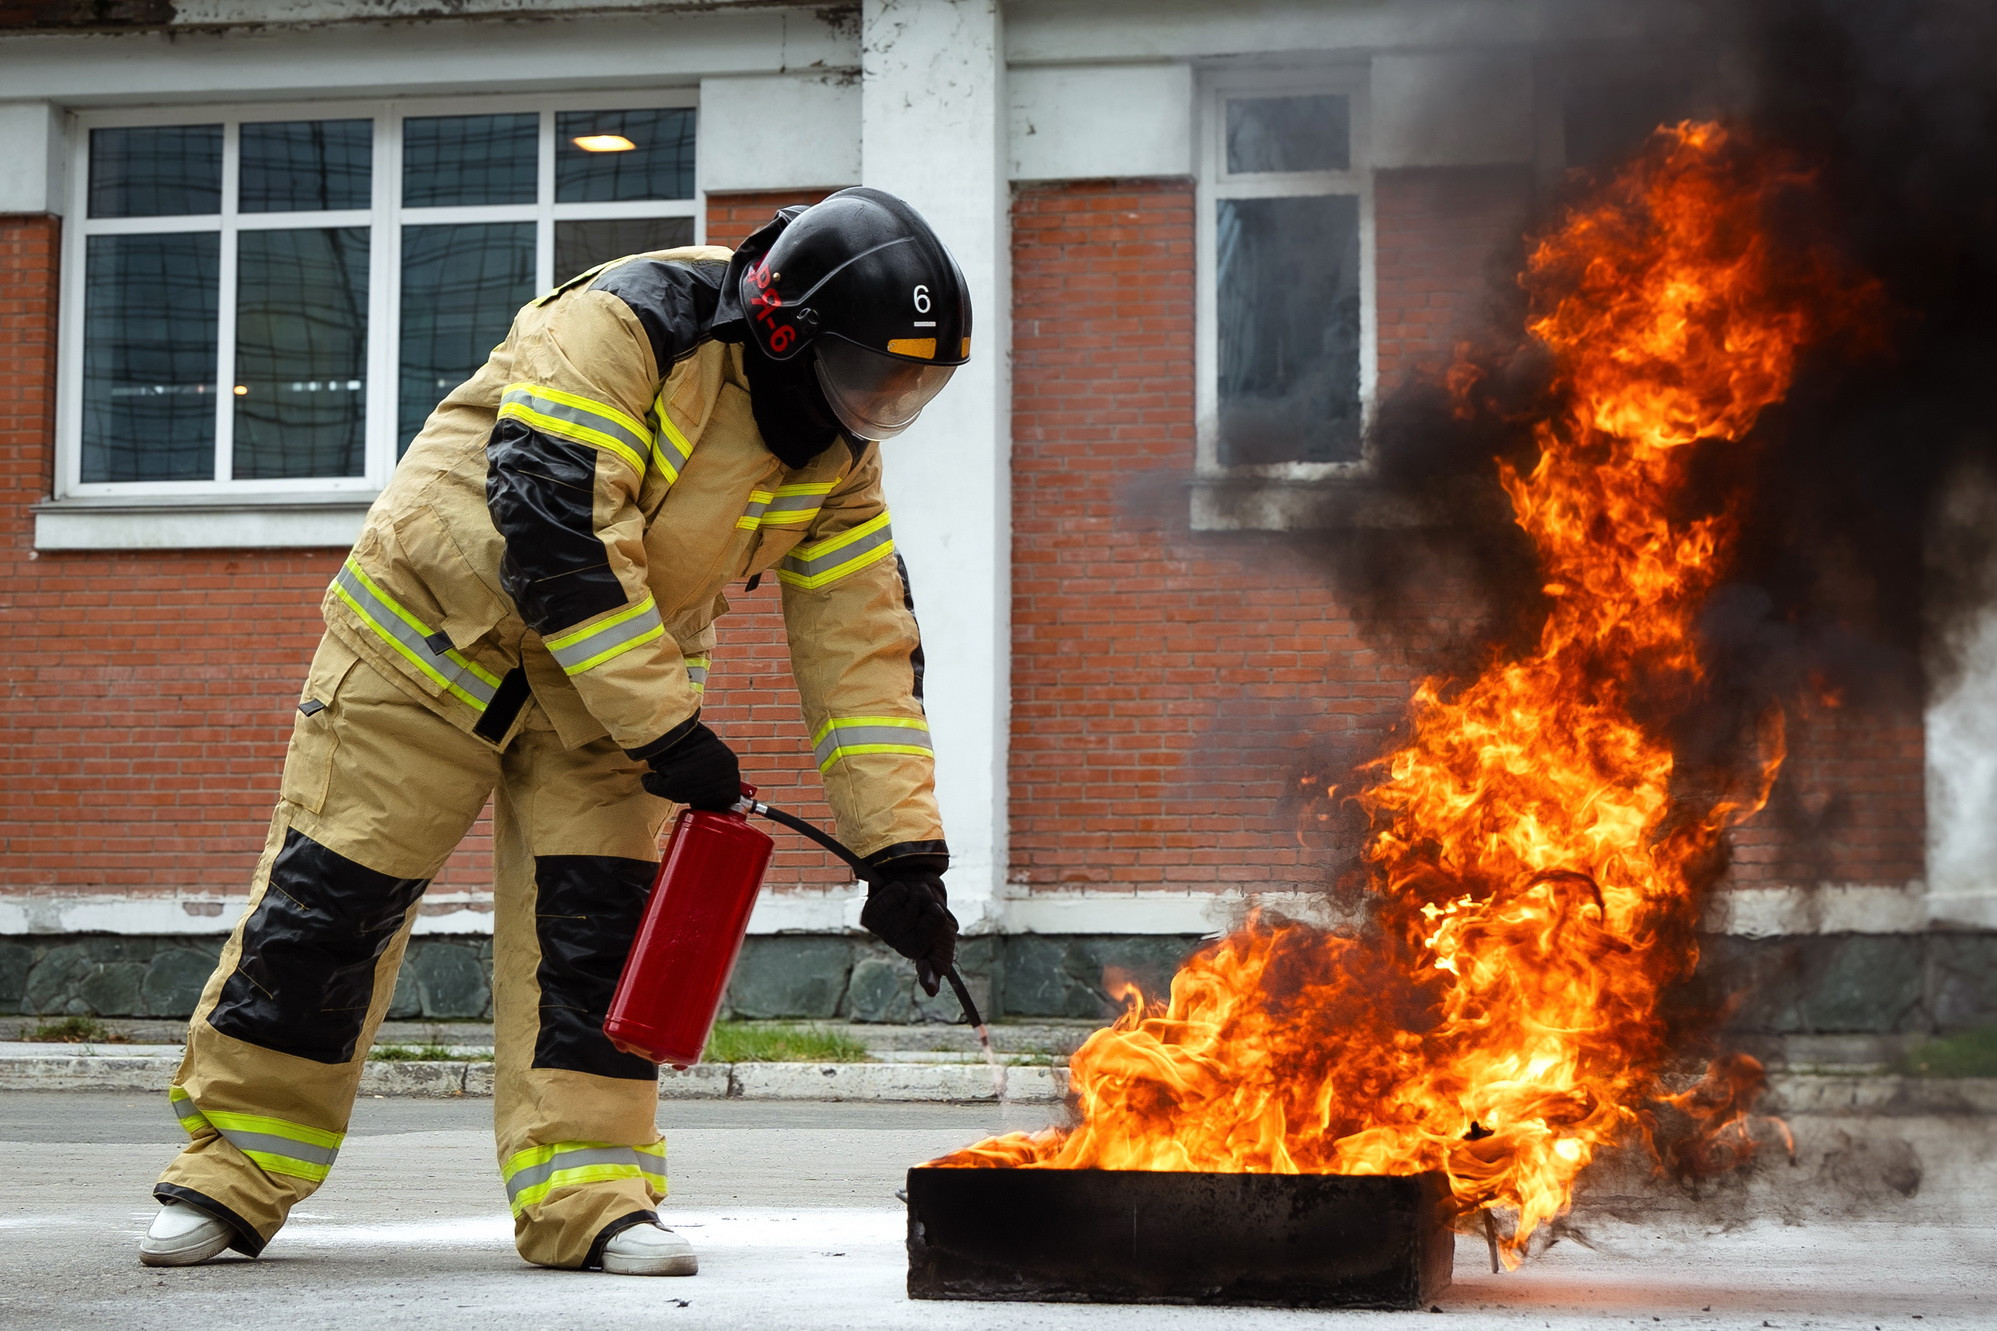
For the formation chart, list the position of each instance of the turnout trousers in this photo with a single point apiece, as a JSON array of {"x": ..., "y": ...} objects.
[{"x": 377, "y": 791}]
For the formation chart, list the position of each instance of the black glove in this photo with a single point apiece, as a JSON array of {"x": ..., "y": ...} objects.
[
  {"x": 909, "y": 911},
  {"x": 697, "y": 769}
]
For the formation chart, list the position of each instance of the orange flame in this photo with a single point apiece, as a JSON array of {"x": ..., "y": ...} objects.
[{"x": 1538, "y": 877}]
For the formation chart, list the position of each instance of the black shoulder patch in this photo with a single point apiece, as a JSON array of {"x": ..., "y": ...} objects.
[
  {"x": 674, "y": 300},
  {"x": 541, "y": 492}
]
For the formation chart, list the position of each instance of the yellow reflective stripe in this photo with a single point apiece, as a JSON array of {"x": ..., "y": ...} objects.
[
  {"x": 277, "y": 1145},
  {"x": 847, "y": 736},
  {"x": 814, "y": 565},
  {"x": 752, "y": 517},
  {"x": 582, "y": 434},
  {"x": 532, "y": 1174},
  {"x": 272, "y": 1163},
  {"x": 572, "y": 416},
  {"x": 670, "y": 449},
  {"x": 185, "y": 1110},
  {"x": 796, "y": 505},
  {"x": 696, "y": 672},
  {"x": 410, "y": 637},
  {"x": 584, "y": 648}
]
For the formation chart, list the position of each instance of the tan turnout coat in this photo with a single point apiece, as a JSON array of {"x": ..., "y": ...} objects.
[{"x": 574, "y": 437}]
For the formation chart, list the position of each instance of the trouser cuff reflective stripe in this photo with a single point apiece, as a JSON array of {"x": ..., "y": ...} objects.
[
  {"x": 278, "y": 1146},
  {"x": 845, "y": 736},
  {"x": 539, "y": 1170}
]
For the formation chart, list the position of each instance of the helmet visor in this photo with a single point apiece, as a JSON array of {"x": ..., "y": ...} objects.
[{"x": 875, "y": 396}]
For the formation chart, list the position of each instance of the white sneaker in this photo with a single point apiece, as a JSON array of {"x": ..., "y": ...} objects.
[
  {"x": 649, "y": 1250},
  {"x": 183, "y": 1236}
]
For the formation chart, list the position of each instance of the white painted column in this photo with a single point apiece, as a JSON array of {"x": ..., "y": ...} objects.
[
  {"x": 933, "y": 120},
  {"x": 1961, "y": 721}
]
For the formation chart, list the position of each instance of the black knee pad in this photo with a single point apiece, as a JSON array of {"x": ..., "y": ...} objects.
[
  {"x": 310, "y": 949},
  {"x": 586, "y": 910}
]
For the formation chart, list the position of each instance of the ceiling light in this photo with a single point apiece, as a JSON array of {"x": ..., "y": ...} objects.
[{"x": 603, "y": 143}]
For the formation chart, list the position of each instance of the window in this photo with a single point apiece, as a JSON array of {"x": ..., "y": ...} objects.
[
  {"x": 1285, "y": 279},
  {"x": 271, "y": 302}
]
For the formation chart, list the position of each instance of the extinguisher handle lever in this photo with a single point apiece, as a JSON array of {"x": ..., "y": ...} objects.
[{"x": 867, "y": 874}]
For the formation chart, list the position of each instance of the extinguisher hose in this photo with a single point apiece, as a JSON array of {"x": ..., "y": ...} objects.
[{"x": 867, "y": 873}]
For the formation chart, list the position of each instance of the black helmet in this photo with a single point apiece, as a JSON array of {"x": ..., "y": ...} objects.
[{"x": 861, "y": 282}]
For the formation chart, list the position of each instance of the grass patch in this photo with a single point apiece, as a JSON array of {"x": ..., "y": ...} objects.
[
  {"x": 74, "y": 1030},
  {"x": 766, "y": 1042},
  {"x": 422, "y": 1053},
  {"x": 1969, "y": 1054}
]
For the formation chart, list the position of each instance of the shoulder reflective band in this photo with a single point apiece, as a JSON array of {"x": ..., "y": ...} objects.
[
  {"x": 539, "y": 1170},
  {"x": 845, "y": 736},
  {"x": 796, "y": 505},
  {"x": 581, "y": 649},
  {"x": 813, "y": 565},
  {"x": 464, "y": 680},
  {"x": 696, "y": 672},
  {"x": 278, "y": 1146},
  {"x": 565, "y": 414},
  {"x": 752, "y": 516},
  {"x": 670, "y": 448}
]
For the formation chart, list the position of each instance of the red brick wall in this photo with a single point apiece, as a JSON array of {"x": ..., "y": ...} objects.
[
  {"x": 140, "y": 737},
  {"x": 1446, "y": 244},
  {"x": 1173, "y": 690},
  {"x": 1170, "y": 688}
]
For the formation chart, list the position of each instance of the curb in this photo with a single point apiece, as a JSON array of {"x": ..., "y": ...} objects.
[{"x": 909, "y": 1082}]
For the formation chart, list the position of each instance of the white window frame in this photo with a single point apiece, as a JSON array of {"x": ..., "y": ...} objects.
[
  {"x": 385, "y": 219},
  {"x": 1217, "y": 183}
]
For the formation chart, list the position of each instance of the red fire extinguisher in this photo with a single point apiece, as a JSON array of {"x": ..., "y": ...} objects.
[{"x": 691, "y": 934}]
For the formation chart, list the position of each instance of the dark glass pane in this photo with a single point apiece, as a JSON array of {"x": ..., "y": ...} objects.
[
  {"x": 306, "y": 166},
  {"x": 171, "y": 171},
  {"x": 1288, "y": 279},
  {"x": 580, "y": 246},
  {"x": 301, "y": 353},
  {"x": 461, "y": 286},
  {"x": 1289, "y": 133},
  {"x": 450, "y": 160},
  {"x": 623, "y": 155},
  {"x": 149, "y": 357}
]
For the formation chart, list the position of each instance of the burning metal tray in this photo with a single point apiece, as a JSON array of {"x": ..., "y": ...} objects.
[{"x": 1130, "y": 1236}]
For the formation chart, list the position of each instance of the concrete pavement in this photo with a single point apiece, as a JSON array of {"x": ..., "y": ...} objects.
[{"x": 792, "y": 1206}]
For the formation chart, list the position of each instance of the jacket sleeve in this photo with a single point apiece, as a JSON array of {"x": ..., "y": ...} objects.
[
  {"x": 857, "y": 655},
  {"x": 563, "y": 470}
]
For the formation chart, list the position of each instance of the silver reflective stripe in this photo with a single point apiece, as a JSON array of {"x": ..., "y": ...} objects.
[
  {"x": 579, "y": 653},
  {"x": 671, "y": 452},
  {"x": 799, "y": 503},
  {"x": 696, "y": 671},
  {"x": 584, "y": 419},
  {"x": 272, "y": 1144},
  {"x": 832, "y": 559},
  {"x": 413, "y": 641},
  {"x": 577, "y": 1159},
  {"x": 184, "y": 1110},
  {"x": 848, "y": 737}
]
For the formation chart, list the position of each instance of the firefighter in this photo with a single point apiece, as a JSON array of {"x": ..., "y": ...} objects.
[{"x": 528, "y": 615}]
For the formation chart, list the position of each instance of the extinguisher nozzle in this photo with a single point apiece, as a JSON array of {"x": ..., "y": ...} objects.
[{"x": 964, "y": 997}]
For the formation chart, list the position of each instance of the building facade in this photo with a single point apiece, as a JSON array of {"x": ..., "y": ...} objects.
[{"x": 244, "y": 247}]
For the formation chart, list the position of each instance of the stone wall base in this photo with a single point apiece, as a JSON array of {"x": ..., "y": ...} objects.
[{"x": 1830, "y": 984}]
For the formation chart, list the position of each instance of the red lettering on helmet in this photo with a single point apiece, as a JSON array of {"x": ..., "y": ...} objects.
[{"x": 781, "y": 337}]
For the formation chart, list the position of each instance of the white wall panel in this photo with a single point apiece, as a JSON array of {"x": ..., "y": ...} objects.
[
  {"x": 32, "y": 156},
  {"x": 1452, "y": 109},
  {"x": 781, "y": 132},
  {"x": 1093, "y": 122}
]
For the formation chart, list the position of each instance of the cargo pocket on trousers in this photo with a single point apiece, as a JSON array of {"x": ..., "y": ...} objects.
[{"x": 308, "y": 763}]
